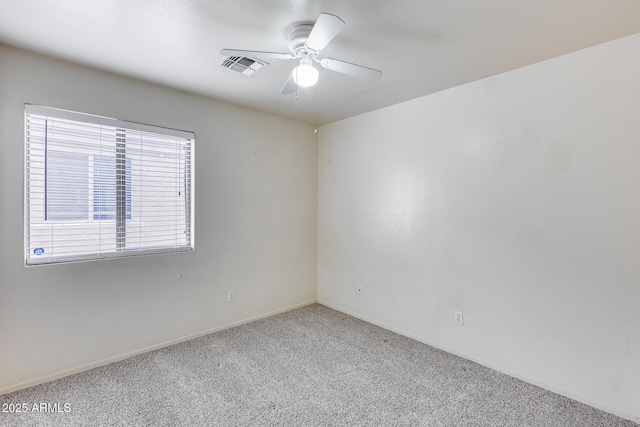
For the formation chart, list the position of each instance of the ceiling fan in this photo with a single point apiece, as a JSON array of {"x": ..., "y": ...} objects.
[{"x": 306, "y": 41}]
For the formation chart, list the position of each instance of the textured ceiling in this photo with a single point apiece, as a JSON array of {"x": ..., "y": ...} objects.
[{"x": 422, "y": 46}]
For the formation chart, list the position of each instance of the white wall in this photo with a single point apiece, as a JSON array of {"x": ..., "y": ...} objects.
[
  {"x": 255, "y": 223},
  {"x": 516, "y": 200}
]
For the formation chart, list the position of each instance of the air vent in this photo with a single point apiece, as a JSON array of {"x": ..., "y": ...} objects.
[{"x": 241, "y": 64}]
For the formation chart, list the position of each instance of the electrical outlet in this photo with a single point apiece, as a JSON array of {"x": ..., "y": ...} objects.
[
  {"x": 457, "y": 317},
  {"x": 231, "y": 296}
]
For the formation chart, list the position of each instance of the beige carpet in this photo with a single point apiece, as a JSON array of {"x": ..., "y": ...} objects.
[{"x": 309, "y": 367}]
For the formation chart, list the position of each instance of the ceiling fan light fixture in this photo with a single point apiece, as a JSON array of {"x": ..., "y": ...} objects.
[
  {"x": 306, "y": 42},
  {"x": 305, "y": 74}
]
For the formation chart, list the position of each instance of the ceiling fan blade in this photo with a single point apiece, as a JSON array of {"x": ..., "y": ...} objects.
[
  {"x": 256, "y": 54},
  {"x": 289, "y": 86},
  {"x": 350, "y": 69},
  {"x": 324, "y": 30}
]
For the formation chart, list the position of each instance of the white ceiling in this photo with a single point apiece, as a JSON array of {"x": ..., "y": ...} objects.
[{"x": 422, "y": 46}]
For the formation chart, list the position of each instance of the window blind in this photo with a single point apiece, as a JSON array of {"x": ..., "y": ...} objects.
[{"x": 99, "y": 187}]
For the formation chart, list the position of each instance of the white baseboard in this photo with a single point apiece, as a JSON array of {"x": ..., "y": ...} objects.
[
  {"x": 67, "y": 372},
  {"x": 489, "y": 364}
]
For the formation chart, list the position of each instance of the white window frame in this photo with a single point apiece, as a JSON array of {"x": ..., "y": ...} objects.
[{"x": 189, "y": 137}]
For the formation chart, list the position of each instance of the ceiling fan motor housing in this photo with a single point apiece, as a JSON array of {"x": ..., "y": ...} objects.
[{"x": 298, "y": 36}]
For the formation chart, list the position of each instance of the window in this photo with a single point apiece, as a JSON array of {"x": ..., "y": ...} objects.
[
  {"x": 99, "y": 187},
  {"x": 104, "y": 187}
]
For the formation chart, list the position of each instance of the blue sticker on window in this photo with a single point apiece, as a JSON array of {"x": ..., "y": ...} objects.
[{"x": 38, "y": 251}]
